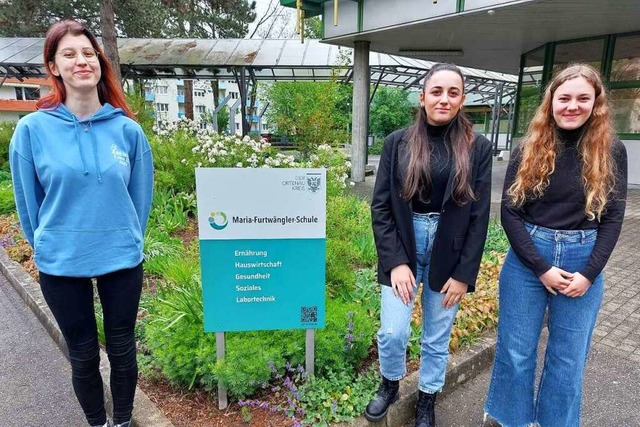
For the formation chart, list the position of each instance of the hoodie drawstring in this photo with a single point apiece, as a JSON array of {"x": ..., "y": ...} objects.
[
  {"x": 88, "y": 127},
  {"x": 79, "y": 141},
  {"x": 95, "y": 152}
]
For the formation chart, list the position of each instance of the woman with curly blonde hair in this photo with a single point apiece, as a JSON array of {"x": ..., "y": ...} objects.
[{"x": 562, "y": 210}]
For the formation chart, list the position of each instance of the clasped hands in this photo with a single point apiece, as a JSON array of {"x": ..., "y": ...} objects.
[
  {"x": 404, "y": 285},
  {"x": 569, "y": 284}
]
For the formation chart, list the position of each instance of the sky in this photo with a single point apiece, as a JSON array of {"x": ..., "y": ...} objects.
[{"x": 281, "y": 29}]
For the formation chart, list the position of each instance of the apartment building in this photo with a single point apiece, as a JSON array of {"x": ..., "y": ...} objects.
[
  {"x": 168, "y": 100},
  {"x": 18, "y": 98}
]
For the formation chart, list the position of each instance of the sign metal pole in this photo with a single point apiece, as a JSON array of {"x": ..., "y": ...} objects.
[
  {"x": 222, "y": 390},
  {"x": 310, "y": 352}
]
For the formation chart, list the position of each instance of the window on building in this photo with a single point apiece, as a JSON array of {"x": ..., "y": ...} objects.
[
  {"x": 200, "y": 109},
  {"x": 202, "y": 125},
  {"x": 180, "y": 92},
  {"x": 32, "y": 93},
  {"x": 162, "y": 107},
  {"x": 237, "y": 126},
  {"x": 529, "y": 94},
  {"x": 234, "y": 95},
  {"x": 28, "y": 93},
  {"x": 626, "y": 110},
  {"x": 625, "y": 66},
  {"x": 587, "y": 51},
  {"x": 163, "y": 89},
  {"x": 199, "y": 93}
]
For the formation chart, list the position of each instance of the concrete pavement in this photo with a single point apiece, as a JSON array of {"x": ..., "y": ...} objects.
[{"x": 35, "y": 377}]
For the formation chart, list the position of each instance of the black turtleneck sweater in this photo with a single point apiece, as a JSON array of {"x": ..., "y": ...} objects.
[
  {"x": 561, "y": 207},
  {"x": 440, "y": 164}
]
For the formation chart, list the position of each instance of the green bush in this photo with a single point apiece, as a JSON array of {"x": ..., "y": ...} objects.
[
  {"x": 347, "y": 337},
  {"x": 7, "y": 201},
  {"x": 336, "y": 396},
  {"x": 350, "y": 244},
  {"x": 376, "y": 148},
  {"x": 6, "y": 132}
]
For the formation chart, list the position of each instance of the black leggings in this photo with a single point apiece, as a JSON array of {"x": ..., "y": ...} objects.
[{"x": 71, "y": 302}]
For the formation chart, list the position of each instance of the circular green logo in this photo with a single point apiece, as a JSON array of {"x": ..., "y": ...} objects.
[{"x": 218, "y": 220}]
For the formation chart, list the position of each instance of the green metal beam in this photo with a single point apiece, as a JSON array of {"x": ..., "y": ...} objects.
[{"x": 310, "y": 7}]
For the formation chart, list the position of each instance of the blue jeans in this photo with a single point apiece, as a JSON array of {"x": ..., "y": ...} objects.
[
  {"x": 395, "y": 318},
  {"x": 523, "y": 302},
  {"x": 71, "y": 302}
]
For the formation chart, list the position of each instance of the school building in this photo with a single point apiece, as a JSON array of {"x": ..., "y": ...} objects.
[{"x": 530, "y": 38}]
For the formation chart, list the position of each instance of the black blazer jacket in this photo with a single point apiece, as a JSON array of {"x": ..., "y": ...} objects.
[{"x": 462, "y": 230}]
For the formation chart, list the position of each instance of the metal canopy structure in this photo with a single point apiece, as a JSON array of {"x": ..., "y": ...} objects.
[
  {"x": 250, "y": 60},
  {"x": 273, "y": 60}
]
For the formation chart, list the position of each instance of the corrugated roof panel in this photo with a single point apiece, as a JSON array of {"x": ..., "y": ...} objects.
[
  {"x": 269, "y": 53},
  {"x": 221, "y": 52},
  {"x": 21, "y": 51},
  {"x": 245, "y": 52}
]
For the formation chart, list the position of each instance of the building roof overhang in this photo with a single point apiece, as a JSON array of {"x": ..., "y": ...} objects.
[{"x": 494, "y": 37}]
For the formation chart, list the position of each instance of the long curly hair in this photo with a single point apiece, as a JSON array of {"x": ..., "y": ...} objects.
[
  {"x": 460, "y": 137},
  {"x": 541, "y": 144},
  {"x": 109, "y": 88}
]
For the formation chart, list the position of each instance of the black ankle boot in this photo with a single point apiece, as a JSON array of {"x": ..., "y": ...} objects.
[
  {"x": 425, "y": 410},
  {"x": 386, "y": 395}
]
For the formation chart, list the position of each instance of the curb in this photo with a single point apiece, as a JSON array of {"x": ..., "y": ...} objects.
[
  {"x": 145, "y": 412},
  {"x": 463, "y": 366}
]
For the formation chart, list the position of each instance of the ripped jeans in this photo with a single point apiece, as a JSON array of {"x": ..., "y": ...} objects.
[{"x": 437, "y": 321}]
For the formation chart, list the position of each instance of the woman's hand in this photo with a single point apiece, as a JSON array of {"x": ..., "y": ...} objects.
[
  {"x": 403, "y": 283},
  {"x": 578, "y": 287},
  {"x": 556, "y": 279},
  {"x": 455, "y": 291}
]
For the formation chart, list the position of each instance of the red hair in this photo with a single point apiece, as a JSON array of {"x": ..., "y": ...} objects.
[{"x": 109, "y": 88}]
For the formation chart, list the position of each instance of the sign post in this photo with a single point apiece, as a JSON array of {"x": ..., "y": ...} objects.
[{"x": 262, "y": 250}]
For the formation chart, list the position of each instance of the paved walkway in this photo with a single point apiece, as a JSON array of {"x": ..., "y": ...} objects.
[
  {"x": 612, "y": 379},
  {"x": 35, "y": 377}
]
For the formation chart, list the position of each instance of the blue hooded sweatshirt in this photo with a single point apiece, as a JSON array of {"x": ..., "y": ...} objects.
[{"x": 83, "y": 189}]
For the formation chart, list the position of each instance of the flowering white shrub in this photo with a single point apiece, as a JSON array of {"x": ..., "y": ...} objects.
[{"x": 206, "y": 148}]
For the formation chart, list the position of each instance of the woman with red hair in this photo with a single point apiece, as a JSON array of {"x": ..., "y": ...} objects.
[
  {"x": 83, "y": 181},
  {"x": 562, "y": 210}
]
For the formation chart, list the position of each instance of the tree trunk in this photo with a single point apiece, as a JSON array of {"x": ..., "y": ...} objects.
[
  {"x": 215, "y": 88},
  {"x": 188, "y": 99},
  {"x": 109, "y": 37}
]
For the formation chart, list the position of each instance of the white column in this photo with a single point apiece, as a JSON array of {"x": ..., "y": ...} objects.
[{"x": 360, "y": 117}]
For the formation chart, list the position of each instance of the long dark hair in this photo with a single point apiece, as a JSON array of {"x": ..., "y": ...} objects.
[
  {"x": 460, "y": 138},
  {"x": 109, "y": 89}
]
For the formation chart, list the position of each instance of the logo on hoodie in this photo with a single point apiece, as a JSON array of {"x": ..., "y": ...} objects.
[
  {"x": 218, "y": 220},
  {"x": 119, "y": 155}
]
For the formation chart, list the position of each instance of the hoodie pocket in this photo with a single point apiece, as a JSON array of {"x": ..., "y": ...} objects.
[{"x": 85, "y": 247}]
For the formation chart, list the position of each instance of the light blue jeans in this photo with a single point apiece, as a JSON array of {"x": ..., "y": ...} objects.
[
  {"x": 437, "y": 321},
  {"x": 523, "y": 302}
]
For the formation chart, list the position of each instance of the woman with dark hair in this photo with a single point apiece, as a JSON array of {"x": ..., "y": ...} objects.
[
  {"x": 562, "y": 209},
  {"x": 430, "y": 212},
  {"x": 83, "y": 181}
]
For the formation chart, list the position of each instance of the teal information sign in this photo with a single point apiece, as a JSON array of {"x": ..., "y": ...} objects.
[{"x": 262, "y": 248}]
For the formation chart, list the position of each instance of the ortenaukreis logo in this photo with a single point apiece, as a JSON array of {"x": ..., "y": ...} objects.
[{"x": 218, "y": 220}]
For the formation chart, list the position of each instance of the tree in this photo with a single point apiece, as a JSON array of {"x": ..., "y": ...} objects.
[
  {"x": 390, "y": 110},
  {"x": 109, "y": 37},
  {"x": 309, "y": 113},
  {"x": 132, "y": 18}
]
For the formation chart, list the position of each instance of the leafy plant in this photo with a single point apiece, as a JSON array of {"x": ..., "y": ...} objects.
[
  {"x": 7, "y": 202},
  {"x": 337, "y": 396},
  {"x": 6, "y": 132}
]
